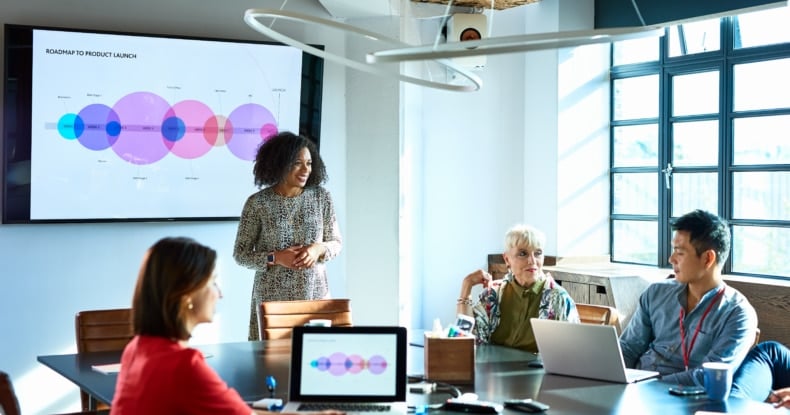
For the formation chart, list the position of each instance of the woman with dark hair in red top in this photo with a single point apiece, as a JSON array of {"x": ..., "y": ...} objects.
[{"x": 160, "y": 374}]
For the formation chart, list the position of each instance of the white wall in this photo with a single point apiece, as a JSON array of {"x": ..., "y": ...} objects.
[
  {"x": 530, "y": 147},
  {"x": 426, "y": 182}
]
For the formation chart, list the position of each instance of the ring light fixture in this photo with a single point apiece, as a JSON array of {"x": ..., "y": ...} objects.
[
  {"x": 252, "y": 16},
  {"x": 512, "y": 44}
]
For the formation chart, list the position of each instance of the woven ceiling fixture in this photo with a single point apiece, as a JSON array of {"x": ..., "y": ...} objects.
[{"x": 485, "y": 4}]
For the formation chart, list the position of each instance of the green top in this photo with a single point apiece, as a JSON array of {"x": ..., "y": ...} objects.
[{"x": 519, "y": 304}]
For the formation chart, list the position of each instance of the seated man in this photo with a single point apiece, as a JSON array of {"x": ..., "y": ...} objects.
[
  {"x": 764, "y": 375},
  {"x": 505, "y": 306},
  {"x": 695, "y": 317}
]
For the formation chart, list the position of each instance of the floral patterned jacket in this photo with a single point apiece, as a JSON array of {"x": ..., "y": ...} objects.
[{"x": 555, "y": 304}]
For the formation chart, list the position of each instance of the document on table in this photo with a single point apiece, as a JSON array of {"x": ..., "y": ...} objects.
[{"x": 108, "y": 368}]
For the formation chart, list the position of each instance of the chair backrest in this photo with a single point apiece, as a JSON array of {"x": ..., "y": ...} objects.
[
  {"x": 597, "y": 314},
  {"x": 102, "y": 331},
  {"x": 9, "y": 404},
  {"x": 8, "y": 401},
  {"x": 497, "y": 266},
  {"x": 276, "y": 319}
]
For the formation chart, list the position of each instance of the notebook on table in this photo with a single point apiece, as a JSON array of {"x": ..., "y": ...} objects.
[
  {"x": 584, "y": 350},
  {"x": 353, "y": 369}
]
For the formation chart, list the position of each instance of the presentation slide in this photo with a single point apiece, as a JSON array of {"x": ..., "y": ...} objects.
[
  {"x": 349, "y": 364},
  {"x": 145, "y": 127}
]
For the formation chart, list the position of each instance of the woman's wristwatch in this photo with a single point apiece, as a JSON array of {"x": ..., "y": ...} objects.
[{"x": 270, "y": 258}]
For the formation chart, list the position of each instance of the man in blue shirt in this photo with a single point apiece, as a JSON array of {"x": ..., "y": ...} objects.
[{"x": 695, "y": 317}]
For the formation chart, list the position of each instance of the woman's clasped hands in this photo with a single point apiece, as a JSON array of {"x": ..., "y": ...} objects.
[{"x": 300, "y": 256}]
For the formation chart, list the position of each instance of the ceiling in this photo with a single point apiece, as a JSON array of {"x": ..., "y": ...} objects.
[
  {"x": 608, "y": 13},
  {"x": 419, "y": 8}
]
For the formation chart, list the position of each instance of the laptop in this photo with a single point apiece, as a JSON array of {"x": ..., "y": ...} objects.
[
  {"x": 355, "y": 369},
  {"x": 584, "y": 350}
]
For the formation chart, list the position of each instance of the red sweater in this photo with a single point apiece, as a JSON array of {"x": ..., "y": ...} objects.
[{"x": 159, "y": 376}]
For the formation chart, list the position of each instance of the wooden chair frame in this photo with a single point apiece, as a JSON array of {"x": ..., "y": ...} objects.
[
  {"x": 100, "y": 331},
  {"x": 598, "y": 314},
  {"x": 276, "y": 319}
]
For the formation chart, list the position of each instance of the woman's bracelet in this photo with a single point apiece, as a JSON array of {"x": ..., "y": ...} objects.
[{"x": 465, "y": 301}]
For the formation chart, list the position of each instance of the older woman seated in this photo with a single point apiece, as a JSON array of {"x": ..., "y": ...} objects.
[{"x": 505, "y": 306}]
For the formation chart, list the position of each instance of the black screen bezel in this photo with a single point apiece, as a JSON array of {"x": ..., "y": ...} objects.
[{"x": 295, "y": 380}]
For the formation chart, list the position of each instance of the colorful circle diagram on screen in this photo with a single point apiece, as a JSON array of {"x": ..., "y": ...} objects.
[
  {"x": 142, "y": 128},
  {"x": 339, "y": 364}
]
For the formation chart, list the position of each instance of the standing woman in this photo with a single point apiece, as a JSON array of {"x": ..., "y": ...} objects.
[{"x": 287, "y": 230}]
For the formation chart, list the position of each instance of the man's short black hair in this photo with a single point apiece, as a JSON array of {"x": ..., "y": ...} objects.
[{"x": 706, "y": 231}]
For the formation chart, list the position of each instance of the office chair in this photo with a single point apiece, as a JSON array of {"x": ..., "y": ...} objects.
[
  {"x": 276, "y": 319},
  {"x": 9, "y": 404},
  {"x": 101, "y": 331}
]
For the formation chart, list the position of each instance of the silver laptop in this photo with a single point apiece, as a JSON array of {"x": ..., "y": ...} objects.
[
  {"x": 584, "y": 350},
  {"x": 354, "y": 369}
]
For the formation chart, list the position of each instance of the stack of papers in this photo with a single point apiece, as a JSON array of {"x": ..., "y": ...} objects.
[{"x": 108, "y": 368}]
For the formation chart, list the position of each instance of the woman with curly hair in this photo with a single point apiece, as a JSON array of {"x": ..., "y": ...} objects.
[{"x": 288, "y": 229}]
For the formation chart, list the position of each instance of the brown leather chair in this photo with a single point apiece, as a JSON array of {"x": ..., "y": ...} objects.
[
  {"x": 8, "y": 402},
  {"x": 497, "y": 266},
  {"x": 597, "y": 314},
  {"x": 101, "y": 331},
  {"x": 276, "y": 319}
]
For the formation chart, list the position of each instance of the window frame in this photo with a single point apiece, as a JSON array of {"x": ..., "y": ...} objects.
[{"x": 724, "y": 60}]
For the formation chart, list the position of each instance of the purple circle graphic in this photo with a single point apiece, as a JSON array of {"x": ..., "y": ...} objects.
[
  {"x": 321, "y": 364},
  {"x": 249, "y": 122},
  {"x": 96, "y": 118},
  {"x": 337, "y": 364},
  {"x": 377, "y": 364},
  {"x": 193, "y": 144},
  {"x": 140, "y": 141}
]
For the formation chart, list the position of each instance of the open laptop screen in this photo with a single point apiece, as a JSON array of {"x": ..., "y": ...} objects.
[{"x": 352, "y": 364}]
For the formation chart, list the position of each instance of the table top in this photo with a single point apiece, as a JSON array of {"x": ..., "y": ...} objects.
[{"x": 500, "y": 373}]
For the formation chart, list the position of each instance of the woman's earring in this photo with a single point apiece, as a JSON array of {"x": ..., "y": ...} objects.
[{"x": 189, "y": 304}]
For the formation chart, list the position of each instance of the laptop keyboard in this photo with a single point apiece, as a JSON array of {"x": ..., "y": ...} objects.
[{"x": 344, "y": 406}]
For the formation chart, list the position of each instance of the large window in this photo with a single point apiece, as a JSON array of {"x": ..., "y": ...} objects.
[{"x": 701, "y": 119}]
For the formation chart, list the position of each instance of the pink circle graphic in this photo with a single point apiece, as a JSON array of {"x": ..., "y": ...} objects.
[
  {"x": 355, "y": 363},
  {"x": 194, "y": 143}
]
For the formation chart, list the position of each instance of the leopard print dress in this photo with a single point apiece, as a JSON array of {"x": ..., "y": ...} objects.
[{"x": 271, "y": 222}]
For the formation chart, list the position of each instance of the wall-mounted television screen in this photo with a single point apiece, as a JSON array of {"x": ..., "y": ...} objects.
[{"x": 102, "y": 126}]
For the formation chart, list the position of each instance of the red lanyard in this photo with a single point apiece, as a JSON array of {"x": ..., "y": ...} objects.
[{"x": 687, "y": 351}]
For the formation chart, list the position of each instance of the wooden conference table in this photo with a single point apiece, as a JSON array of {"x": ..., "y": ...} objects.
[{"x": 501, "y": 373}]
